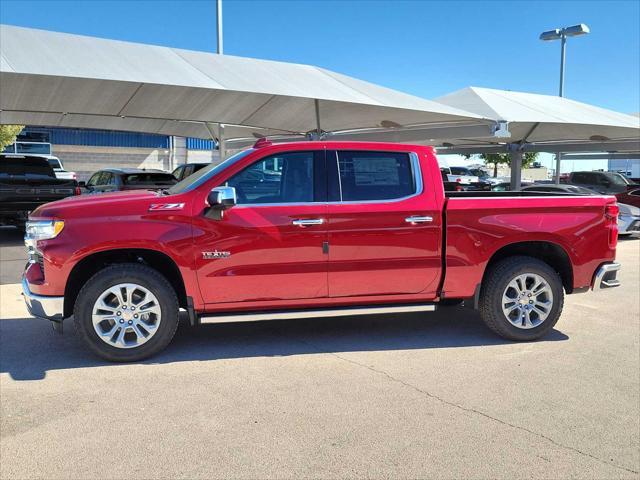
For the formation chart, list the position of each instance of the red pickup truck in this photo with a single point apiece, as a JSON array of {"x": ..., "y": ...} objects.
[{"x": 311, "y": 229}]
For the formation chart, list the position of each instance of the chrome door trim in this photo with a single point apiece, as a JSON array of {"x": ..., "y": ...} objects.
[
  {"x": 418, "y": 219},
  {"x": 305, "y": 222},
  {"x": 319, "y": 313}
]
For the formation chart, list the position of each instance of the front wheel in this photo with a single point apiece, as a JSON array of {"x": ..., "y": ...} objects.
[
  {"x": 126, "y": 312},
  {"x": 521, "y": 298}
]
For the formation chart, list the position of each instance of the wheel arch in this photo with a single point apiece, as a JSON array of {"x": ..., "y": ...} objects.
[
  {"x": 549, "y": 252},
  {"x": 93, "y": 263}
]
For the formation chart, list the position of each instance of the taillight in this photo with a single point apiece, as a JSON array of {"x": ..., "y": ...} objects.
[
  {"x": 611, "y": 217},
  {"x": 78, "y": 191},
  {"x": 459, "y": 188},
  {"x": 458, "y": 180}
]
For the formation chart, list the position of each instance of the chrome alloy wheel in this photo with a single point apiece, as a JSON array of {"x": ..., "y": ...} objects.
[
  {"x": 527, "y": 300},
  {"x": 126, "y": 315}
]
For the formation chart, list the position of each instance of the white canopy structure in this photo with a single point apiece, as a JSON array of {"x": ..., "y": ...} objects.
[
  {"x": 58, "y": 79},
  {"x": 534, "y": 118},
  {"x": 528, "y": 121}
]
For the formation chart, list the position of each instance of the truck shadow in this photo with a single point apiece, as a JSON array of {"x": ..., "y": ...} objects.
[{"x": 29, "y": 347}]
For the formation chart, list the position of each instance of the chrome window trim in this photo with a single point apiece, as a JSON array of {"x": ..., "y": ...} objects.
[{"x": 415, "y": 170}]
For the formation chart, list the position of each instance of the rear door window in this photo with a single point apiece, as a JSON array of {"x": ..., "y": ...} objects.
[{"x": 374, "y": 176}]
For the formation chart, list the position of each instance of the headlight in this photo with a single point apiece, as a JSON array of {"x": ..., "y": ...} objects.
[{"x": 43, "y": 229}]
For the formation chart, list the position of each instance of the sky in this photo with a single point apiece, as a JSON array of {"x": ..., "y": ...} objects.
[{"x": 425, "y": 48}]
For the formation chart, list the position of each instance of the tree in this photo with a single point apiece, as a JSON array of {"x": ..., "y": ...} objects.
[
  {"x": 497, "y": 158},
  {"x": 8, "y": 134}
]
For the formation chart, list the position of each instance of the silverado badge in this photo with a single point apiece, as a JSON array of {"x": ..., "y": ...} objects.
[{"x": 215, "y": 254}]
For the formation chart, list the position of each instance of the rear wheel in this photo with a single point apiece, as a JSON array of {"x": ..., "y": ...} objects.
[
  {"x": 522, "y": 298},
  {"x": 126, "y": 312}
]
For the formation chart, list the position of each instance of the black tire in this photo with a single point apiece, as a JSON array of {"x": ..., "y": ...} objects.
[
  {"x": 127, "y": 273},
  {"x": 495, "y": 283}
]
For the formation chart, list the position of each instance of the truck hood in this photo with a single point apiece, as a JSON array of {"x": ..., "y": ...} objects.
[{"x": 97, "y": 204}]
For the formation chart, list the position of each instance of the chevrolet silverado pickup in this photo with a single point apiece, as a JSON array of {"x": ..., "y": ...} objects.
[{"x": 311, "y": 229}]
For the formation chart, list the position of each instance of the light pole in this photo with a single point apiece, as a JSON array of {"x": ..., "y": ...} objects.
[
  {"x": 562, "y": 34},
  {"x": 219, "y": 18}
]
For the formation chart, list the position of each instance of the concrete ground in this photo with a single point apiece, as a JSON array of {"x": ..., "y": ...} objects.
[{"x": 411, "y": 396}]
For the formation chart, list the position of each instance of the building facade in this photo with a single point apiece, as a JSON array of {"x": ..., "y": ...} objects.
[{"x": 84, "y": 151}]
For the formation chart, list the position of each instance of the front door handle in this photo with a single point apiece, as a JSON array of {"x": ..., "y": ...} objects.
[
  {"x": 418, "y": 219},
  {"x": 308, "y": 222}
]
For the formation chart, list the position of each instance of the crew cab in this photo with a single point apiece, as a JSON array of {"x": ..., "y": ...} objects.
[{"x": 338, "y": 228}]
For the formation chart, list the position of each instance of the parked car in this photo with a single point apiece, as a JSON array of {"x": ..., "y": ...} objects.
[
  {"x": 114, "y": 179},
  {"x": 347, "y": 228},
  {"x": 460, "y": 175},
  {"x": 183, "y": 171},
  {"x": 59, "y": 170},
  {"x": 26, "y": 182},
  {"x": 484, "y": 177},
  {"x": 628, "y": 219},
  {"x": 562, "y": 188},
  {"x": 631, "y": 197},
  {"x": 450, "y": 186},
  {"x": 601, "y": 182}
]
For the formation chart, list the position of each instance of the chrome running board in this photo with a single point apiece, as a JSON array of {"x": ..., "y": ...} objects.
[{"x": 325, "y": 312}]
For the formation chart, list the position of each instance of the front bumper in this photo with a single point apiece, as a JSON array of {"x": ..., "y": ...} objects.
[
  {"x": 628, "y": 224},
  {"x": 49, "y": 308},
  {"x": 605, "y": 276}
]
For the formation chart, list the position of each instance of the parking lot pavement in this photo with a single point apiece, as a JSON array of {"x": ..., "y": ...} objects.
[
  {"x": 12, "y": 255},
  {"x": 387, "y": 396}
]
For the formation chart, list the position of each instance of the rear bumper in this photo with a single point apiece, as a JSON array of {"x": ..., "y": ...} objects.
[
  {"x": 49, "y": 308},
  {"x": 605, "y": 277}
]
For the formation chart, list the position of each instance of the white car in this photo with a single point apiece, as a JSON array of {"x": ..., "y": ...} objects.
[
  {"x": 628, "y": 220},
  {"x": 460, "y": 175},
  {"x": 58, "y": 168}
]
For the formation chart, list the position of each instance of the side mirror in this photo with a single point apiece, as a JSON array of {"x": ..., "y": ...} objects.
[
  {"x": 222, "y": 198},
  {"x": 82, "y": 184}
]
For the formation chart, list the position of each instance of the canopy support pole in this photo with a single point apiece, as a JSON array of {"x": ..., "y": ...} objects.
[
  {"x": 316, "y": 103},
  {"x": 219, "y": 138},
  {"x": 556, "y": 176},
  {"x": 516, "y": 166},
  {"x": 222, "y": 148}
]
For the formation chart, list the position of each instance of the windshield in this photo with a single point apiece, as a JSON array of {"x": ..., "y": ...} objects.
[
  {"x": 149, "y": 177},
  {"x": 460, "y": 171},
  {"x": 478, "y": 172},
  {"x": 617, "y": 179},
  {"x": 202, "y": 175}
]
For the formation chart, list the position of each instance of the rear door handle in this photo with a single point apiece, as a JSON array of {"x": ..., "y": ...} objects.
[
  {"x": 308, "y": 222},
  {"x": 418, "y": 219}
]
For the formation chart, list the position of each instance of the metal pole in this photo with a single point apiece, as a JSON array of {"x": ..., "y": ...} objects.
[
  {"x": 318, "y": 129},
  {"x": 563, "y": 51},
  {"x": 516, "y": 167},
  {"x": 219, "y": 17},
  {"x": 556, "y": 176},
  {"x": 221, "y": 146}
]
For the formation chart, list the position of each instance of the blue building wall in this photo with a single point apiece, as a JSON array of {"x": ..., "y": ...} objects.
[
  {"x": 199, "y": 144},
  {"x": 106, "y": 138}
]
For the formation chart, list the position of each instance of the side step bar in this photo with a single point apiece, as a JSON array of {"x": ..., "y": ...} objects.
[{"x": 325, "y": 312}]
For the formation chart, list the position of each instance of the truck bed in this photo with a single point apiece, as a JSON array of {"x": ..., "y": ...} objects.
[{"x": 479, "y": 224}]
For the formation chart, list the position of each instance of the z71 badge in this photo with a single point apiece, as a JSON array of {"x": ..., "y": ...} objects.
[{"x": 215, "y": 254}]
